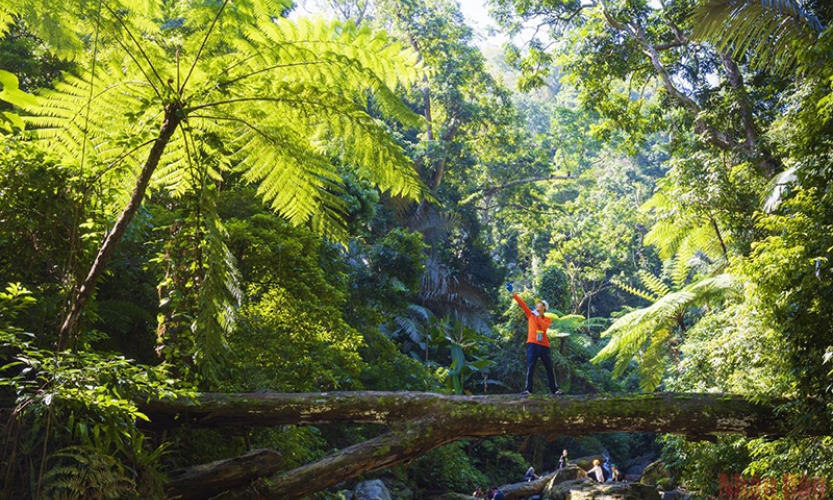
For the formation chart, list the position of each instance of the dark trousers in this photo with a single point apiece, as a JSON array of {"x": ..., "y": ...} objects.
[{"x": 533, "y": 353}]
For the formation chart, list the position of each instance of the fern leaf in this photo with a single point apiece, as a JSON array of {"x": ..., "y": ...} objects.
[{"x": 775, "y": 32}]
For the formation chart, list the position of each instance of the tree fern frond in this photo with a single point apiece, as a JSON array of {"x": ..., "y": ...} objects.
[
  {"x": 652, "y": 362},
  {"x": 775, "y": 32},
  {"x": 219, "y": 296},
  {"x": 629, "y": 334},
  {"x": 653, "y": 283},
  {"x": 635, "y": 291}
]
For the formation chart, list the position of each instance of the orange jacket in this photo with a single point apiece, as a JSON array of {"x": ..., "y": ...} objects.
[{"x": 537, "y": 325}]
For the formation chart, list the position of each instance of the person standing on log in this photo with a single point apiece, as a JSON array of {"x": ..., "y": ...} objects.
[{"x": 537, "y": 342}]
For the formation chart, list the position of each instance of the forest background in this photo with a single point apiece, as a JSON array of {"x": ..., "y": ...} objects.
[{"x": 213, "y": 196}]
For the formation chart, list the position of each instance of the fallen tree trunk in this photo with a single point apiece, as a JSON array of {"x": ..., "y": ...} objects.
[
  {"x": 530, "y": 488},
  {"x": 526, "y": 488},
  {"x": 422, "y": 422},
  {"x": 689, "y": 414},
  {"x": 204, "y": 481}
]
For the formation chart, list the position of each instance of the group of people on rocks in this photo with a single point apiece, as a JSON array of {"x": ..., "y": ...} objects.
[
  {"x": 602, "y": 475},
  {"x": 598, "y": 473}
]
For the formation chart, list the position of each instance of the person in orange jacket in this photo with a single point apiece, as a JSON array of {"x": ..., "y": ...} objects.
[{"x": 537, "y": 342}]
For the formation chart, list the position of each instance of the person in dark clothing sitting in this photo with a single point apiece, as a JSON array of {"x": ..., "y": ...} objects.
[{"x": 496, "y": 494}]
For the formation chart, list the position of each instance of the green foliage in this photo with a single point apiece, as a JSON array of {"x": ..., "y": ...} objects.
[
  {"x": 698, "y": 466},
  {"x": 447, "y": 469},
  {"x": 775, "y": 33},
  {"x": 83, "y": 472},
  {"x": 645, "y": 335},
  {"x": 11, "y": 94},
  {"x": 77, "y": 413}
]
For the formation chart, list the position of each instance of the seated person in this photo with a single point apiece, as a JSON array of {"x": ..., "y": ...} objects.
[{"x": 596, "y": 472}]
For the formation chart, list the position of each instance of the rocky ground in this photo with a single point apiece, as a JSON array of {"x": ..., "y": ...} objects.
[{"x": 571, "y": 483}]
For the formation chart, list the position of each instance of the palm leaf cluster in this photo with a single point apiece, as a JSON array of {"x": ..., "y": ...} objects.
[
  {"x": 646, "y": 335},
  {"x": 774, "y": 32}
]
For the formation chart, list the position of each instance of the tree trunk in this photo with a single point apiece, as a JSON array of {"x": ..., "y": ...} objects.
[
  {"x": 688, "y": 414},
  {"x": 425, "y": 421},
  {"x": 84, "y": 292},
  {"x": 527, "y": 488},
  {"x": 204, "y": 481}
]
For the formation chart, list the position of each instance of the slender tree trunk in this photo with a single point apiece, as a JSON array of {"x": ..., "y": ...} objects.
[{"x": 111, "y": 241}]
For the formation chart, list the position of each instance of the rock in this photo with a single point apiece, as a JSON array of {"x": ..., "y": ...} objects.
[
  {"x": 587, "y": 489},
  {"x": 586, "y": 463},
  {"x": 451, "y": 496},
  {"x": 676, "y": 494},
  {"x": 371, "y": 490},
  {"x": 569, "y": 473},
  {"x": 636, "y": 465},
  {"x": 654, "y": 473},
  {"x": 397, "y": 489}
]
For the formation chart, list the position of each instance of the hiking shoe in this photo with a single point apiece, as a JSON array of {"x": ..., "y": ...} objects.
[{"x": 525, "y": 393}]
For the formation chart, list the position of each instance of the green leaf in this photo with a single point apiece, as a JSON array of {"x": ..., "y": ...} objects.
[{"x": 11, "y": 92}]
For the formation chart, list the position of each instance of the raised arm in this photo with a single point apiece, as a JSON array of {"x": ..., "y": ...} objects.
[{"x": 523, "y": 305}]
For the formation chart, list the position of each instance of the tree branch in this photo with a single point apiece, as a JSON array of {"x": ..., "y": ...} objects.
[
  {"x": 717, "y": 138},
  {"x": 488, "y": 191}
]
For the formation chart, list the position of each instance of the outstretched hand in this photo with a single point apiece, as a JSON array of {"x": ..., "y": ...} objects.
[{"x": 509, "y": 287}]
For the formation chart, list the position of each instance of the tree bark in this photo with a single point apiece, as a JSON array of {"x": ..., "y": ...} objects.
[
  {"x": 689, "y": 414},
  {"x": 204, "y": 481},
  {"x": 527, "y": 488},
  {"x": 84, "y": 292},
  {"x": 424, "y": 421}
]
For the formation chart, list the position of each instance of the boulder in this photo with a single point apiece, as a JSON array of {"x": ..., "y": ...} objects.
[
  {"x": 636, "y": 465},
  {"x": 587, "y": 489},
  {"x": 586, "y": 463},
  {"x": 569, "y": 473},
  {"x": 655, "y": 473},
  {"x": 397, "y": 489},
  {"x": 371, "y": 490},
  {"x": 676, "y": 494},
  {"x": 451, "y": 496}
]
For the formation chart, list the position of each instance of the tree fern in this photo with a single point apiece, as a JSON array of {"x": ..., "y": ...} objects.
[
  {"x": 285, "y": 96},
  {"x": 643, "y": 335},
  {"x": 774, "y": 32},
  {"x": 679, "y": 236}
]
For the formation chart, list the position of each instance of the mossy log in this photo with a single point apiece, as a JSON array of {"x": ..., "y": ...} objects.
[
  {"x": 688, "y": 414},
  {"x": 204, "y": 481},
  {"x": 421, "y": 422}
]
